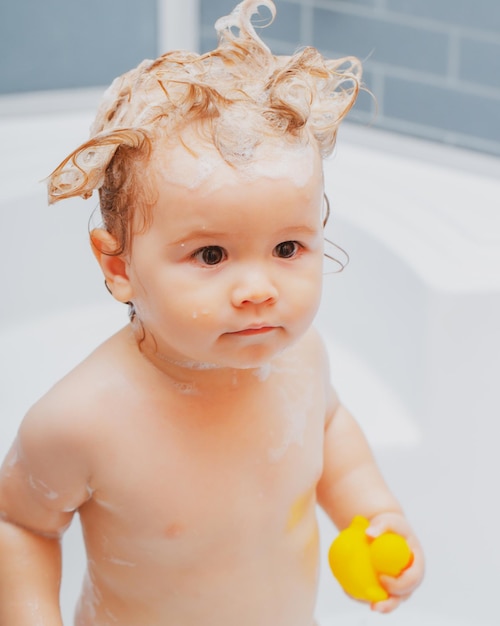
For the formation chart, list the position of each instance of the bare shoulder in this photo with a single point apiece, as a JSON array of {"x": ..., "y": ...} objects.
[
  {"x": 314, "y": 345},
  {"x": 73, "y": 411},
  {"x": 50, "y": 467},
  {"x": 312, "y": 355}
]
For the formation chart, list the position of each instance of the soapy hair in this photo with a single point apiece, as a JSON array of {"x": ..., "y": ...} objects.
[{"x": 239, "y": 94}]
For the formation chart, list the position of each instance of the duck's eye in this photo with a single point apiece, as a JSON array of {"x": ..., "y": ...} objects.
[
  {"x": 210, "y": 255},
  {"x": 286, "y": 249}
]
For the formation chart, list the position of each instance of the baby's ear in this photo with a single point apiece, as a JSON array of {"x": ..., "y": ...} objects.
[{"x": 114, "y": 267}]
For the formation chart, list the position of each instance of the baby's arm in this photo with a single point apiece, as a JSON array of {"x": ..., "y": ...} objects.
[
  {"x": 352, "y": 484},
  {"x": 42, "y": 482},
  {"x": 30, "y": 570}
]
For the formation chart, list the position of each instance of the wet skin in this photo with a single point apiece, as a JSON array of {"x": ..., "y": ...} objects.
[{"x": 195, "y": 443}]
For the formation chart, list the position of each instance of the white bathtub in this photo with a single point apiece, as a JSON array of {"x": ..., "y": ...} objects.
[{"x": 412, "y": 326}]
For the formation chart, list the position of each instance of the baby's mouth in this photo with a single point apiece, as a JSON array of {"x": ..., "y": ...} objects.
[{"x": 254, "y": 330}]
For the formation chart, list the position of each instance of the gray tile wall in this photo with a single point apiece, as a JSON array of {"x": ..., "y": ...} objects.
[
  {"x": 432, "y": 65},
  {"x": 61, "y": 44}
]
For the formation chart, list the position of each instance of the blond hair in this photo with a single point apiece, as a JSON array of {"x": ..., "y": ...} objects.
[{"x": 240, "y": 92}]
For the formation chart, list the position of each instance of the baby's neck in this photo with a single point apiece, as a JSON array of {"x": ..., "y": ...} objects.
[{"x": 204, "y": 379}]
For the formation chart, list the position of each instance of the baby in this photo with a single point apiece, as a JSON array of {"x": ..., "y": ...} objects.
[{"x": 196, "y": 442}]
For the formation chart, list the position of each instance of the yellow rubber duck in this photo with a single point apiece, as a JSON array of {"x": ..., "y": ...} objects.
[{"x": 357, "y": 560}]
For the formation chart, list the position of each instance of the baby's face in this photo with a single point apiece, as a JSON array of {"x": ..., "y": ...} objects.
[{"x": 229, "y": 273}]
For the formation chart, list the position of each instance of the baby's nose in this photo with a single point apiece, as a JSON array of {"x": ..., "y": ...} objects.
[{"x": 256, "y": 287}]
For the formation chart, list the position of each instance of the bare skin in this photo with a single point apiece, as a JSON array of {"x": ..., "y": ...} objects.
[{"x": 196, "y": 444}]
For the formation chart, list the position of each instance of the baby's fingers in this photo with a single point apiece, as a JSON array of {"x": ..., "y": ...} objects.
[
  {"x": 386, "y": 606},
  {"x": 399, "y": 590},
  {"x": 402, "y": 586}
]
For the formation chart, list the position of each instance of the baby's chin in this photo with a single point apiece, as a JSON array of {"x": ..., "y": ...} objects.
[{"x": 257, "y": 363}]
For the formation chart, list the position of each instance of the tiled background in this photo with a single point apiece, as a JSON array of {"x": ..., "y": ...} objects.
[
  {"x": 61, "y": 44},
  {"x": 432, "y": 65}
]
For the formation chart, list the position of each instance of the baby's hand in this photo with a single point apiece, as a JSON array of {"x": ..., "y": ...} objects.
[{"x": 400, "y": 588}]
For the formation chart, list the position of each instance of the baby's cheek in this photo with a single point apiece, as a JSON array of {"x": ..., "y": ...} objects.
[
  {"x": 306, "y": 301},
  {"x": 201, "y": 315}
]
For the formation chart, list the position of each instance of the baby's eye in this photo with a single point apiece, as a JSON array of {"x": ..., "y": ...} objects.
[
  {"x": 210, "y": 255},
  {"x": 286, "y": 249}
]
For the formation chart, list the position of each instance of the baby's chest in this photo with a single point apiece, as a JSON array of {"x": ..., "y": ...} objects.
[{"x": 240, "y": 472}]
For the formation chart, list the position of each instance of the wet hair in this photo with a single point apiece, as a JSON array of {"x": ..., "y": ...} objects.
[{"x": 239, "y": 95}]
